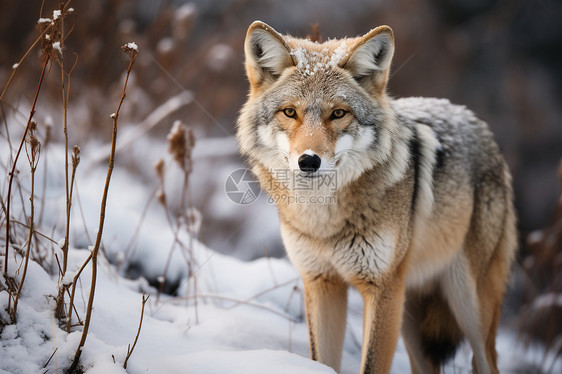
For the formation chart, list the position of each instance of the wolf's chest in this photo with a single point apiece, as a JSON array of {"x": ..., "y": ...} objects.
[
  {"x": 355, "y": 253},
  {"x": 364, "y": 254},
  {"x": 355, "y": 245},
  {"x": 320, "y": 220}
]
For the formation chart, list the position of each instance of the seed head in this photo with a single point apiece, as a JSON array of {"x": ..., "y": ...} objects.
[
  {"x": 75, "y": 156},
  {"x": 132, "y": 49},
  {"x": 159, "y": 168},
  {"x": 161, "y": 197},
  {"x": 181, "y": 142}
]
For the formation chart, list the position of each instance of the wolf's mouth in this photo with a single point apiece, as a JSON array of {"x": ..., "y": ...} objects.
[{"x": 309, "y": 174}]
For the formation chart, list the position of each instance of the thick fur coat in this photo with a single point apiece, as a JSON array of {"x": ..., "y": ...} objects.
[{"x": 417, "y": 211}]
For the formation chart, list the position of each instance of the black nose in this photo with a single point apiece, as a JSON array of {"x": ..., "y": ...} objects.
[{"x": 309, "y": 163}]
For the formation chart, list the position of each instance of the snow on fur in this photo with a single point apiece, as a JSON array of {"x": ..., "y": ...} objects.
[{"x": 310, "y": 62}]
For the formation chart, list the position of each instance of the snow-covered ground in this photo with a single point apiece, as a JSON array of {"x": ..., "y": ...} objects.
[{"x": 229, "y": 316}]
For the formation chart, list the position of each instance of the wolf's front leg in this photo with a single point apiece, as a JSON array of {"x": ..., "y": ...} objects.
[
  {"x": 382, "y": 317},
  {"x": 326, "y": 308}
]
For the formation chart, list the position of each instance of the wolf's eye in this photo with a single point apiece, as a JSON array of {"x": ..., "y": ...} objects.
[
  {"x": 338, "y": 113},
  {"x": 290, "y": 112}
]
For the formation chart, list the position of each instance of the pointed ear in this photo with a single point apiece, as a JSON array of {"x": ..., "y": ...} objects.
[
  {"x": 369, "y": 62},
  {"x": 267, "y": 55}
]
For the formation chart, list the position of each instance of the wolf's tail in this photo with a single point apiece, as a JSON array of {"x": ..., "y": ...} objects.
[{"x": 439, "y": 331}]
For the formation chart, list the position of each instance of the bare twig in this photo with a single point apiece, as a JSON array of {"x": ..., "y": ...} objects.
[
  {"x": 19, "y": 63},
  {"x": 33, "y": 157},
  {"x": 59, "y": 309},
  {"x": 36, "y": 232},
  {"x": 129, "y": 252},
  {"x": 131, "y": 49},
  {"x": 82, "y": 212},
  {"x": 181, "y": 142},
  {"x": 239, "y": 302},
  {"x": 267, "y": 290},
  {"x": 65, "y": 93},
  {"x": 37, "y": 40},
  {"x": 155, "y": 118},
  {"x": 130, "y": 349},
  {"x": 14, "y": 164},
  {"x": 50, "y": 358},
  {"x": 6, "y": 126},
  {"x": 74, "y": 283},
  {"x": 46, "y": 142}
]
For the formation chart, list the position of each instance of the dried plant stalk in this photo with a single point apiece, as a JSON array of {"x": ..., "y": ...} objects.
[
  {"x": 181, "y": 142},
  {"x": 14, "y": 164},
  {"x": 131, "y": 349},
  {"x": 74, "y": 283},
  {"x": 133, "y": 52},
  {"x": 65, "y": 94},
  {"x": 59, "y": 308},
  {"x": 33, "y": 158}
]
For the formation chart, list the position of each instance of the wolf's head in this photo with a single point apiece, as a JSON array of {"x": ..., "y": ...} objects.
[{"x": 315, "y": 107}]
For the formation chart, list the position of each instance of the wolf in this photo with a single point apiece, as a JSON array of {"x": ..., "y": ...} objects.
[{"x": 421, "y": 218}]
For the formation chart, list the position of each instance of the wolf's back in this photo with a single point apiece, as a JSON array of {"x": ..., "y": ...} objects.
[
  {"x": 467, "y": 145},
  {"x": 468, "y": 165}
]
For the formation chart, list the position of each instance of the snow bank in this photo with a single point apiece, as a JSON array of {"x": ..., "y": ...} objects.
[
  {"x": 228, "y": 316},
  {"x": 250, "y": 319}
]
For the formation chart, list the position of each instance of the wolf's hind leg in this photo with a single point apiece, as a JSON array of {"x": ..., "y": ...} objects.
[
  {"x": 326, "y": 309},
  {"x": 460, "y": 290},
  {"x": 491, "y": 288}
]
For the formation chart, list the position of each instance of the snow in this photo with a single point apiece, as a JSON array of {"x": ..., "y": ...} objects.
[
  {"x": 249, "y": 316},
  {"x": 57, "y": 47},
  {"x": 132, "y": 45},
  {"x": 68, "y": 277},
  {"x": 309, "y": 61},
  {"x": 177, "y": 128},
  {"x": 340, "y": 53},
  {"x": 250, "y": 320}
]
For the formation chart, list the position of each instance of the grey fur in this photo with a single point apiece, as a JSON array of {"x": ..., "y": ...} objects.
[{"x": 423, "y": 202}]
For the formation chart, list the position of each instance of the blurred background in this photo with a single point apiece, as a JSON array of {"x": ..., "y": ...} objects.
[{"x": 500, "y": 58}]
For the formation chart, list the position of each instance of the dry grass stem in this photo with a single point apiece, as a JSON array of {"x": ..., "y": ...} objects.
[
  {"x": 73, "y": 293},
  {"x": 15, "y": 161},
  {"x": 65, "y": 94},
  {"x": 129, "y": 348},
  {"x": 239, "y": 302},
  {"x": 46, "y": 142},
  {"x": 51, "y": 357},
  {"x": 59, "y": 308},
  {"x": 129, "y": 252},
  {"x": 33, "y": 158},
  {"x": 181, "y": 142},
  {"x": 132, "y": 50}
]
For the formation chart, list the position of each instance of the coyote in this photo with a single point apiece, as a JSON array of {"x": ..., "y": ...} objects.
[{"x": 422, "y": 221}]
